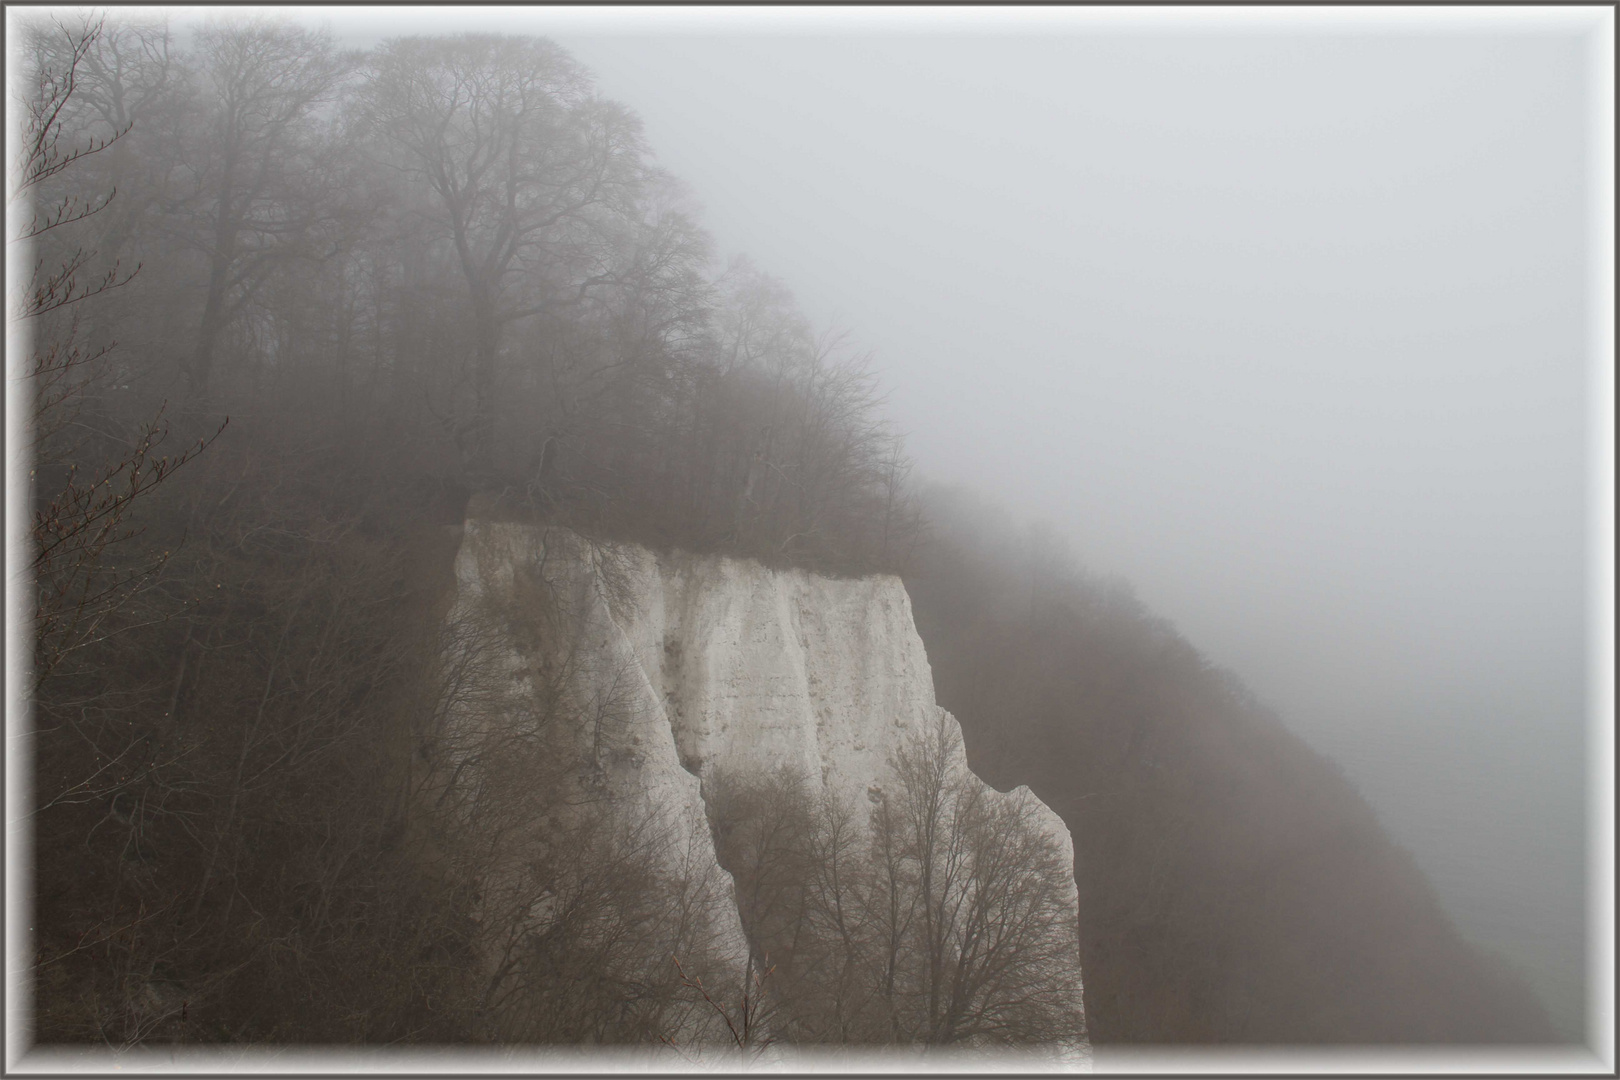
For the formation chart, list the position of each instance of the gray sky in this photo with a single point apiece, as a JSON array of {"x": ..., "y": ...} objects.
[{"x": 1285, "y": 319}]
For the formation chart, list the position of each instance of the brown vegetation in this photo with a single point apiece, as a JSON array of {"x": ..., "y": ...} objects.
[
  {"x": 260, "y": 810},
  {"x": 1234, "y": 887},
  {"x": 946, "y": 921},
  {"x": 271, "y": 801}
]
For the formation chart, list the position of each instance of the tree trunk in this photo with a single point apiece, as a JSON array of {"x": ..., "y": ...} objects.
[
  {"x": 486, "y": 338},
  {"x": 219, "y": 269},
  {"x": 213, "y": 321}
]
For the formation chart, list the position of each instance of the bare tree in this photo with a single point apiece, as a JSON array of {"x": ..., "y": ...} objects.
[
  {"x": 954, "y": 925},
  {"x": 523, "y": 162},
  {"x": 995, "y": 946},
  {"x": 130, "y": 77},
  {"x": 257, "y": 171},
  {"x": 83, "y": 513}
]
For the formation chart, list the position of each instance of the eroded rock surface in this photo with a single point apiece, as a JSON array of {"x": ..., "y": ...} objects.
[{"x": 723, "y": 667}]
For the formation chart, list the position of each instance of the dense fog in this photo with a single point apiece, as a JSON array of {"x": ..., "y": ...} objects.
[{"x": 1290, "y": 325}]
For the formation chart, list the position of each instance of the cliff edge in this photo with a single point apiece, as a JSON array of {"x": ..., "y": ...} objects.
[{"x": 712, "y": 669}]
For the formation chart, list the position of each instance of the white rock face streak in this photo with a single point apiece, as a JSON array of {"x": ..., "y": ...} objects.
[{"x": 736, "y": 669}]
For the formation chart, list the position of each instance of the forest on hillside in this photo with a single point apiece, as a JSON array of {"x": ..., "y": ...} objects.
[
  {"x": 289, "y": 309},
  {"x": 1234, "y": 885}
]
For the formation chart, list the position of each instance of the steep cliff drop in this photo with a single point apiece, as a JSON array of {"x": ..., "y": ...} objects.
[{"x": 717, "y": 667}]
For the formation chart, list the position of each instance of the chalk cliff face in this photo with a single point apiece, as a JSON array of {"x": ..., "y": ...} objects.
[{"x": 721, "y": 667}]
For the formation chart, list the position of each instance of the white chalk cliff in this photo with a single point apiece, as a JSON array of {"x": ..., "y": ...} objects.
[{"x": 730, "y": 668}]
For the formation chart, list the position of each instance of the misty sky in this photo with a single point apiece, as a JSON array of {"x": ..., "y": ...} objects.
[{"x": 1285, "y": 321}]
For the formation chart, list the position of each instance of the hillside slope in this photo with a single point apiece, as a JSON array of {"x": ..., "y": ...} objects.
[{"x": 1234, "y": 886}]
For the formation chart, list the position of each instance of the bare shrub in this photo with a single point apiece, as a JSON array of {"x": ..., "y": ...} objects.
[{"x": 950, "y": 923}]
